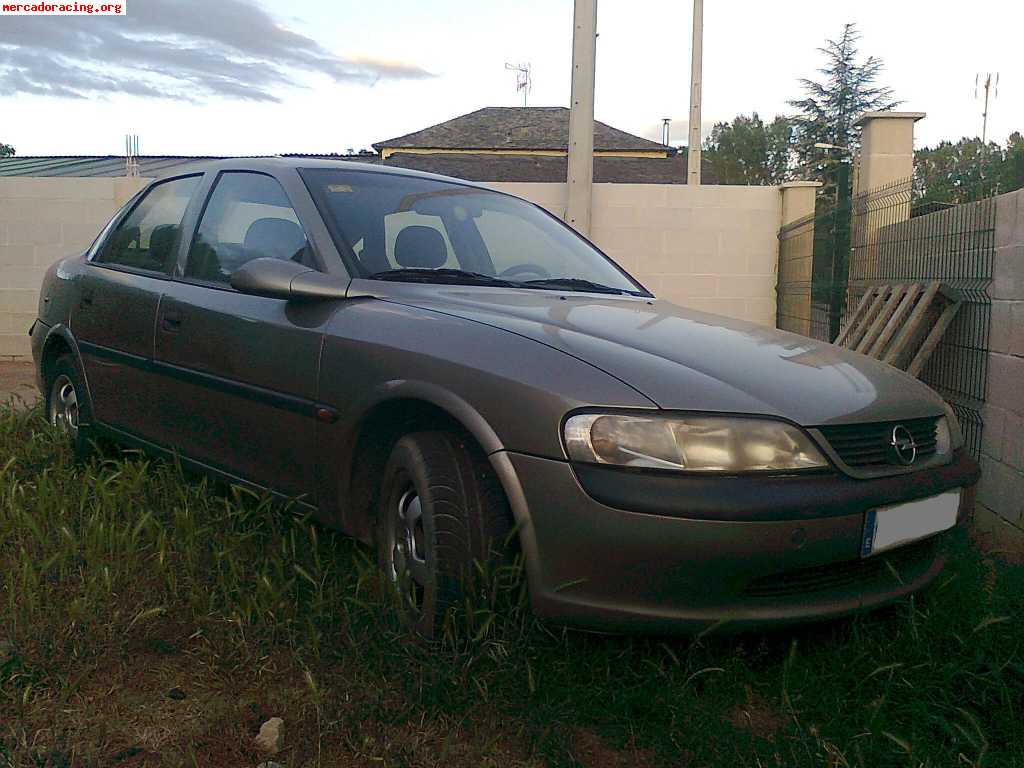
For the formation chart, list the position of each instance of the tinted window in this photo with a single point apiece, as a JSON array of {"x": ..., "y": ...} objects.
[
  {"x": 145, "y": 238},
  {"x": 395, "y": 222},
  {"x": 247, "y": 217}
]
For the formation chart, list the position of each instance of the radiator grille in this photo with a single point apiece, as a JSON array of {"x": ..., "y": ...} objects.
[{"x": 870, "y": 445}]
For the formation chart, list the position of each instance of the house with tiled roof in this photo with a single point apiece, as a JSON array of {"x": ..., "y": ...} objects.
[
  {"x": 494, "y": 144},
  {"x": 529, "y": 144},
  {"x": 542, "y": 131}
]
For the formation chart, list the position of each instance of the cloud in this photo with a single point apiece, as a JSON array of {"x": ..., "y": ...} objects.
[{"x": 188, "y": 50}]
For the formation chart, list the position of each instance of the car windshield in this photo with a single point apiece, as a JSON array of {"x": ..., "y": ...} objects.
[{"x": 420, "y": 230}]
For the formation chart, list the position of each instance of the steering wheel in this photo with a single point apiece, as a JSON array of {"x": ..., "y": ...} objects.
[{"x": 521, "y": 269}]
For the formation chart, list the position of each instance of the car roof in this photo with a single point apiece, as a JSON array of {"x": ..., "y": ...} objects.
[{"x": 272, "y": 164}]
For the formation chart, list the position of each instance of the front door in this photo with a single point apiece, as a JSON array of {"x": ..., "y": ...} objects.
[
  {"x": 244, "y": 368},
  {"x": 120, "y": 293}
]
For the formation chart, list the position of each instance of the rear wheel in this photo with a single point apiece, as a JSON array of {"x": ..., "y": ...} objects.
[
  {"x": 440, "y": 510},
  {"x": 67, "y": 407}
]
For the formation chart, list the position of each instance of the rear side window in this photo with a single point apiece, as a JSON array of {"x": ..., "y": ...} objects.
[
  {"x": 146, "y": 237},
  {"x": 247, "y": 217}
]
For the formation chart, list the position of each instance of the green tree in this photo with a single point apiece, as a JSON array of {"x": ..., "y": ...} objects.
[
  {"x": 967, "y": 169},
  {"x": 6, "y": 150},
  {"x": 1011, "y": 175},
  {"x": 831, "y": 107},
  {"x": 749, "y": 151}
]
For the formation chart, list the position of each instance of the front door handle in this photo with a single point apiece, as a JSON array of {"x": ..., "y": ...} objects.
[
  {"x": 86, "y": 299},
  {"x": 171, "y": 323}
]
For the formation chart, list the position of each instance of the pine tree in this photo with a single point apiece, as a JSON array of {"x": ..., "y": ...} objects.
[
  {"x": 6, "y": 150},
  {"x": 750, "y": 151},
  {"x": 831, "y": 108}
]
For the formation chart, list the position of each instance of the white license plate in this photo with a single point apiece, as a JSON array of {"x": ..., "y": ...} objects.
[{"x": 888, "y": 527}]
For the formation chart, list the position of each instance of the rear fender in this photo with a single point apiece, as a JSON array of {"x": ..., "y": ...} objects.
[{"x": 61, "y": 335}]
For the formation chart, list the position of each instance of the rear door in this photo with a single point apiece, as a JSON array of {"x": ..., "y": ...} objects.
[
  {"x": 120, "y": 292},
  {"x": 244, "y": 367}
]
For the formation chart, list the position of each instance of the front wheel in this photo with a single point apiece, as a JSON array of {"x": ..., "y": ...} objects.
[{"x": 441, "y": 509}]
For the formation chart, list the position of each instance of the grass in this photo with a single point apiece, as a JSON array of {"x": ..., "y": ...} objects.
[{"x": 148, "y": 618}]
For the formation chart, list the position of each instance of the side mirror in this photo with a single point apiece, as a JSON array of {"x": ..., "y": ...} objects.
[{"x": 277, "y": 279}]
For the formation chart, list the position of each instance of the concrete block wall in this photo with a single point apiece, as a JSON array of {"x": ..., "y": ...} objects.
[
  {"x": 43, "y": 220},
  {"x": 713, "y": 248},
  {"x": 1000, "y": 503}
]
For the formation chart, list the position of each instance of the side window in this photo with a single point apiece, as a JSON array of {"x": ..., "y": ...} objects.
[
  {"x": 144, "y": 239},
  {"x": 247, "y": 217}
]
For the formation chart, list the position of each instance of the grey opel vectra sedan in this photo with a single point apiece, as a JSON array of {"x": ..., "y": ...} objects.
[{"x": 450, "y": 372}]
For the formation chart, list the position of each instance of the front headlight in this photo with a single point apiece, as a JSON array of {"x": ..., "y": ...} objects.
[
  {"x": 948, "y": 435},
  {"x": 691, "y": 443}
]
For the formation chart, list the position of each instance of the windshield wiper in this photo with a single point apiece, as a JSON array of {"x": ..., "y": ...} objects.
[
  {"x": 455, "y": 276},
  {"x": 574, "y": 284},
  {"x": 465, "y": 277}
]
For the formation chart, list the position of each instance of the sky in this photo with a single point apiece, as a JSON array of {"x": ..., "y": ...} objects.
[{"x": 251, "y": 77}]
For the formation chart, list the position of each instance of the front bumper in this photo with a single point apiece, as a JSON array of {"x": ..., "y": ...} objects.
[{"x": 737, "y": 552}]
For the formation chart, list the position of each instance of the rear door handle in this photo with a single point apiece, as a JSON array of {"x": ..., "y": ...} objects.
[
  {"x": 171, "y": 323},
  {"x": 86, "y": 299}
]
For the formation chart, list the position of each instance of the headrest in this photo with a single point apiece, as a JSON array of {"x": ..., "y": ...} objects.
[
  {"x": 420, "y": 247},
  {"x": 160, "y": 241},
  {"x": 274, "y": 238}
]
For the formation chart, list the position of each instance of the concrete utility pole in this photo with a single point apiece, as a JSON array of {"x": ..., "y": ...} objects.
[
  {"x": 581, "y": 116},
  {"x": 693, "y": 150}
]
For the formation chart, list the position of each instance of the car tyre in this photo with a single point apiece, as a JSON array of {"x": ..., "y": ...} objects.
[
  {"x": 67, "y": 405},
  {"x": 441, "y": 510}
]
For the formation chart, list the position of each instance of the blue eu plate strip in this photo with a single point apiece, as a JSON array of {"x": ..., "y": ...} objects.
[{"x": 870, "y": 523}]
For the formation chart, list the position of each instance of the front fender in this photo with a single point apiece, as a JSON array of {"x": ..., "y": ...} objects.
[
  {"x": 509, "y": 392},
  {"x": 474, "y": 423},
  {"x": 447, "y": 401}
]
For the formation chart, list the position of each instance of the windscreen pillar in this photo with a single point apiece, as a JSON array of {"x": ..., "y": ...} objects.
[
  {"x": 580, "y": 175},
  {"x": 886, "y": 149}
]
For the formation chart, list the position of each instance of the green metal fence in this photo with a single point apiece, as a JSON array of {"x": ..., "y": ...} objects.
[{"x": 827, "y": 261}]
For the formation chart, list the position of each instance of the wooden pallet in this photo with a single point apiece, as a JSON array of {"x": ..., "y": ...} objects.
[{"x": 901, "y": 323}]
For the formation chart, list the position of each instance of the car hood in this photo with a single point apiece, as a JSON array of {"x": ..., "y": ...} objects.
[{"x": 690, "y": 360}]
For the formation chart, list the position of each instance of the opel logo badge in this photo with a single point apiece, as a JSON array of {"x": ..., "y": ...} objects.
[{"x": 903, "y": 446}]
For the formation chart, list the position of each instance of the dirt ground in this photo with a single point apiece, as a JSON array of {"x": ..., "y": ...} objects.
[{"x": 17, "y": 381}]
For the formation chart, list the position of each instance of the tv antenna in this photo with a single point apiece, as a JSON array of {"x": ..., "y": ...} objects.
[
  {"x": 523, "y": 81},
  {"x": 131, "y": 155},
  {"x": 989, "y": 85}
]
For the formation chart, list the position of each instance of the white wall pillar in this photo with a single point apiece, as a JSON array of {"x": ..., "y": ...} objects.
[
  {"x": 798, "y": 200},
  {"x": 796, "y": 264},
  {"x": 887, "y": 149}
]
